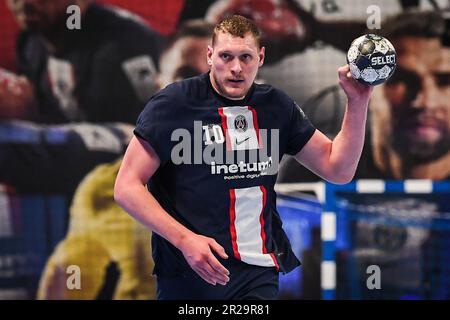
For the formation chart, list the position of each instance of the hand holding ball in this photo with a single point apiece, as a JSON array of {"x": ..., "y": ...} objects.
[{"x": 372, "y": 59}]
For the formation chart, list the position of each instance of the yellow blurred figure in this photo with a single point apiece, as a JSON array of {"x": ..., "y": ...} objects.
[{"x": 100, "y": 232}]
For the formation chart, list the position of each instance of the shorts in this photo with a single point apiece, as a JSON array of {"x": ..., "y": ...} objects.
[{"x": 247, "y": 282}]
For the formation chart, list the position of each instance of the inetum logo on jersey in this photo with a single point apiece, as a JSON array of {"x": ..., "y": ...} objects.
[{"x": 242, "y": 167}]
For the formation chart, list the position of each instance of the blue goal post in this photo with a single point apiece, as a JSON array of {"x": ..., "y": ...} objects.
[{"x": 329, "y": 195}]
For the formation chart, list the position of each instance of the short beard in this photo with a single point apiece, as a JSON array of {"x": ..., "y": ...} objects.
[{"x": 419, "y": 152}]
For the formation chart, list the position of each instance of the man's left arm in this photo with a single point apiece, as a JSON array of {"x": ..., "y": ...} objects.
[{"x": 337, "y": 160}]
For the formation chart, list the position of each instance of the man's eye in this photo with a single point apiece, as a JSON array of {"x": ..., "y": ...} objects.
[
  {"x": 225, "y": 56},
  {"x": 246, "y": 57}
]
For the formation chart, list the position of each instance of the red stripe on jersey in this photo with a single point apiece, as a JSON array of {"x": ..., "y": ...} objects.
[
  {"x": 225, "y": 128},
  {"x": 256, "y": 126},
  {"x": 261, "y": 219},
  {"x": 232, "y": 224},
  {"x": 275, "y": 261}
]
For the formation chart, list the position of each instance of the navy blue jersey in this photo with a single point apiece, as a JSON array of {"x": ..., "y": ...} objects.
[{"x": 227, "y": 194}]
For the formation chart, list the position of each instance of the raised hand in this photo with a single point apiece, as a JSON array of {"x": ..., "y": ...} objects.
[{"x": 355, "y": 91}]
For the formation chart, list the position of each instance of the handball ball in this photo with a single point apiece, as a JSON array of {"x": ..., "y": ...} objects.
[{"x": 372, "y": 59}]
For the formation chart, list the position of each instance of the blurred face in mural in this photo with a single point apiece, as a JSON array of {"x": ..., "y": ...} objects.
[
  {"x": 411, "y": 112},
  {"x": 184, "y": 59},
  {"x": 234, "y": 64},
  {"x": 39, "y": 15}
]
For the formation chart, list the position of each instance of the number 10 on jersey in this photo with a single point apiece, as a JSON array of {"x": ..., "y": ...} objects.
[{"x": 213, "y": 133}]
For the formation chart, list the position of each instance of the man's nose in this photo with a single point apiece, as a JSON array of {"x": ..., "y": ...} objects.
[
  {"x": 236, "y": 66},
  {"x": 428, "y": 96}
]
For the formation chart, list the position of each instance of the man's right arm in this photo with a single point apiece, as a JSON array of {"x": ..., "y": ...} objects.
[{"x": 139, "y": 164}]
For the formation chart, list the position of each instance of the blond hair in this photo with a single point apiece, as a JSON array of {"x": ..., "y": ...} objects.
[{"x": 237, "y": 26}]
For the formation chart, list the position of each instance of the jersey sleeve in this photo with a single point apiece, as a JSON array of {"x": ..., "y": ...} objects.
[
  {"x": 300, "y": 130},
  {"x": 156, "y": 123}
]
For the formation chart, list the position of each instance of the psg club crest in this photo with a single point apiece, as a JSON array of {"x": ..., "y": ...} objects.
[{"x": 240, "y": 123}]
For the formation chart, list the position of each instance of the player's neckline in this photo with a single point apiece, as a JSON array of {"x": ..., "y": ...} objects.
[{"x": 226, "y": 101}]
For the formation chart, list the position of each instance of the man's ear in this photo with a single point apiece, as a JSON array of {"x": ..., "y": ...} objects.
[
  {"x": 262, "y": 55},
  {"x": 209, "y": 55}
]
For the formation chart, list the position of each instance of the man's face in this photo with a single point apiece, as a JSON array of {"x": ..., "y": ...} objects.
[
  {"x": 234, "y": 64},
  {"x": 412, "y": 110},
  {"x": 38, "y": 15}
]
